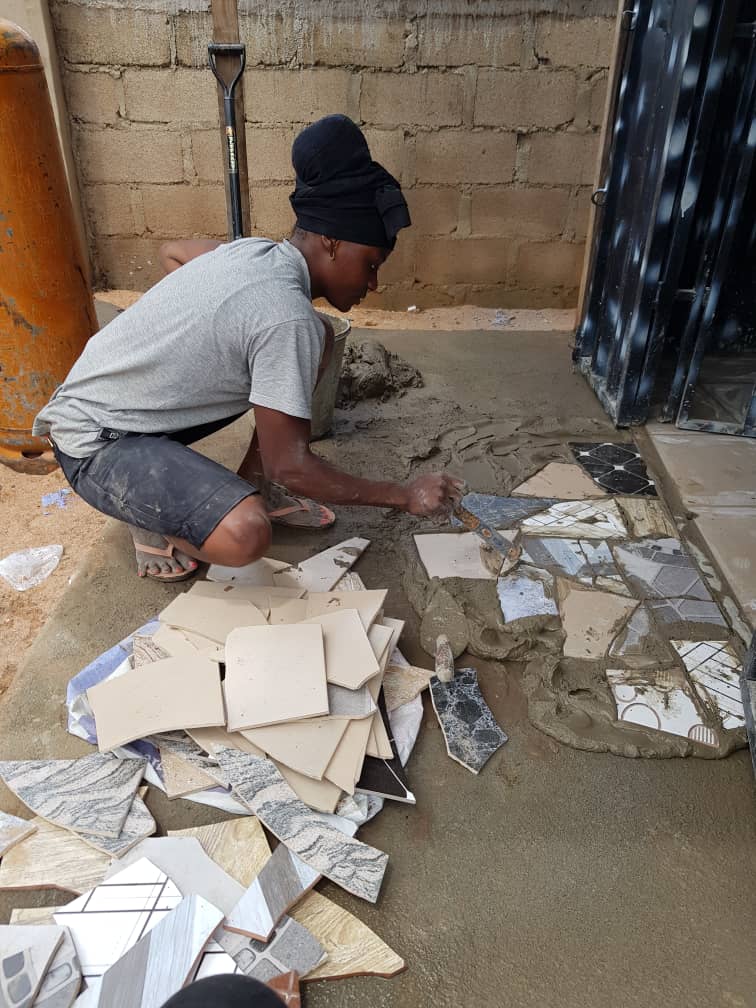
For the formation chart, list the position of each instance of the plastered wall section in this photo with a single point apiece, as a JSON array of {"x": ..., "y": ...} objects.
[{"x": 488, "y": 113}]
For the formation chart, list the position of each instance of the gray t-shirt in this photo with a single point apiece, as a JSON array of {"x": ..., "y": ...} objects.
[{"x": 230, "y": 329}]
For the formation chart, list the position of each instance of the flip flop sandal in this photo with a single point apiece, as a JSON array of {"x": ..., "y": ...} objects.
[
  {"x": 303, "y": 513},
  {"x": 167, "y": 552}
]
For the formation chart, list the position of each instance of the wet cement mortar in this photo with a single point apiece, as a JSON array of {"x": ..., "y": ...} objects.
[{"x": 553, "y": 870}]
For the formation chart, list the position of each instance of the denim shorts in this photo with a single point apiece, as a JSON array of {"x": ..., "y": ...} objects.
[{"x": 158, "y": 483}]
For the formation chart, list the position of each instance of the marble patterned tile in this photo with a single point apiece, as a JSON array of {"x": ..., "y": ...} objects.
[
  {"x": 525, "y": 594},
  {"x": 659, "y": 701},
  {"x": 109, "y": 919},
  {"x": 26, "y": 953},
  {"x": 139, "y": 824},
  {"x": 12, "y": 831},
  {"x": 62, "y": 982},
  {"x": 578, "y": 520},
  {"x": 146, "y": 651},
  {"x": 661, "y": 568},
  {"x": 162, "y": 962},
  {"x": 503, "y": 512},
  {"x": 283, "y": 881},
  {"x": 90, "y": 795},
  {"x": 323, "y": 571},
  {"x": 639, "y": 645},
  {"x": 588, "y": 561},
  {"x": 355, "y": 866},
  {"x": 469, "y": 728},
  {"x": 714, "y": 669},
  {"x": 616, "y": 468},
  {"x": 181, "y": 745}
]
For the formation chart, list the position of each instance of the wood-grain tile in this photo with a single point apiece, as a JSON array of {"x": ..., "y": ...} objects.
[{"x": 12, "y": 831}]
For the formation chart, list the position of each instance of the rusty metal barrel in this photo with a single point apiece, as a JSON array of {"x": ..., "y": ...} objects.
[{"x": 46, "y": 308}]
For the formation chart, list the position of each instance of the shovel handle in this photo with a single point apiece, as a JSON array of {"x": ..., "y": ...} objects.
[{"x": 216, "y": 49}]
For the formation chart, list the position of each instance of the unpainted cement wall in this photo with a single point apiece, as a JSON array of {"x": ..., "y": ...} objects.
[{"x": 489, "y": 113}]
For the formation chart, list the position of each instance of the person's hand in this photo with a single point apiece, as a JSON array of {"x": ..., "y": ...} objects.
[{"x": 433, "y": 496}]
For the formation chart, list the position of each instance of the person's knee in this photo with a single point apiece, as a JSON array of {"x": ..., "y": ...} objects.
[{"x": 244, "y": 535}]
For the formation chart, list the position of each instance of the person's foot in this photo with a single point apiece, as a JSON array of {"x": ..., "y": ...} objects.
[
  {"x": 158, "y": 559},
  {"x": 297, "y": 512}
]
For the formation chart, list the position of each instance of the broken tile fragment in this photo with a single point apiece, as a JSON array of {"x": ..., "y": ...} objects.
[
  {"x": 90, "y": 795},
  {"x": 560, "y": 480},
  {"x": 286, "y": 987},
  {"x": 452, "y": 554},
  {"x": 26, "y": 954},
  {"x": 283, "y": 881},
  {"x": 403, "y": 683},
  {"x": 213, "y": 618},
  {"x": 587, "y": 561},
  {"x": 384, "y": 775},
  {"x": 138, "y": 825},
  {"x": 714, "y": 669},
  {"x": 659, "y": 701},
  {"x": 647, "y": 517},
  {"x": 291, "y": 947},
  {"x": 469, "y": 728},
  {"x": 527, "y": 595},
  {"x": 12, "y": 831},
  {"x": 323, "y": 571},
  {"x": 661, "y": 568},
  {"x": 674, "y": 613},
  {"x": 639, "y": 645},
  {"x": 616, "y": 468},
  {"x": 503, "y": 512},
  {"x": 591, "y": 619},
  {"x": 62, "y": 981},
  {"x": 598, "y": 519}
]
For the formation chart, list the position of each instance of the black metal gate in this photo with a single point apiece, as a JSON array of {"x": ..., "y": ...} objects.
[{"x": 669, "y": 313}]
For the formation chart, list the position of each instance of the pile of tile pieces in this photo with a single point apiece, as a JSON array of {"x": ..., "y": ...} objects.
[
  {"x": 600, "y": 557},
  {"x": 272, "y": 691}
]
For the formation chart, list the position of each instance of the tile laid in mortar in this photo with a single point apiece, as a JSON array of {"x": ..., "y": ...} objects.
[
  {"x": 591, "y": 619},
  {"x": 714, "y": 670},
  {"x": 13, "y": 830},
  {"x": 526, "y": 593},
  {"x": 658, "y": 700},
  {"x": 660, "y": 568},
  {"x": 503, "y": 512},
  {"x": 639, "y": 645},
  {"x": 559, "y": 480},
  {"x": 355, "y": 866},
  {"x": 447, "y": 555},
  {"x": 647, "y": 517},
  {"x": 617, "y": 468},
  {"x": 589, "y": 562},
  {"x": 674, "y": 611},
  {"x": 599, "y": 519},
  {"x": 90, "y": 795},
  {"x": 470, "y": 730}
]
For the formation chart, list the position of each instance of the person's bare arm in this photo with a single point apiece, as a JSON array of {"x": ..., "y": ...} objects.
[
  {"x": 286, "y": 457},
  {"x": 175, "y": 253}
]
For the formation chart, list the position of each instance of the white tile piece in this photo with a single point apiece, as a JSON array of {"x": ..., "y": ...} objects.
[
  {"x": 26, "y": 952},
  {"x": 525, "y": 593},
  {"x": 367, "y": 603},
  {"x": 714, "y": 670},
  {"x": 323, "y": 571},
  {"x": 275, "y": 674},
  {"x": 282, "y": 882},
  {"x": 260, "y": 572},
  {"x": 62, "y": 981},
  {"x": 452, "y": 554},
  {"x": 658, "y": 702},
  {"x": 578, "y": 520}
]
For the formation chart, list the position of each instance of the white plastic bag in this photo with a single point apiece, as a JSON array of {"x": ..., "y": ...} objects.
[{"x": 30, "y": 567}]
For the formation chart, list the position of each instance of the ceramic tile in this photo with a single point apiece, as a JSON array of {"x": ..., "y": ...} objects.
[
  {"x": 403, "y": 683},
  {"x": 659, "y": 701},
  {"x": 379, "y": 744},
  {"x": 355, "y": 866},
  {"x": 62, "y": 981},
  {"x": 173, "y": 642},
  {"x": 385, "y": 776},
  {"x": 139, "y": 824},
  {"x": 321, "y": 572},
  {"x": 180, "y": 744},
  {"x": 52, "y": 858},
  {"x": 560, "y": 480},
  {"x": 525, "y": 594},
  {"x": 281, "y": 883},
  {"x": 647, "y": 517},
  {"x": 291, "y": 947},
  {"x": 305, "y": 746},
  {"x": 286, "y": 987},
  {"x": 469, "y": 728},
  {"x": 367, "y": 603},
  {"x": 145, "y": 651},
  {"x": 109, "y": 919},
  {"x": 92, "y": 794},
  {"x": 213, "y": 618},
  {"x": 349, "y": 658},
  {"x": 616, "y": 468},
  {"x": 346, "y": 763},
  {"x": 380, "y": 638},
  {"x": 12, "y": 831},
  {"x": 33, "y": 915},
  {"x": 234, "y": 592},
  {"x": 396, "y": 626},
  {"x": 591, "y": 619},
  {"x": 274, "y": 674},
  {"x": 290, "y": 611},
  {"x": 714, "y": 669},
  {"x": 237, "y": 845},
  {"x": 181, "y": 778},
  {"x": 163, "y": 960},
  {"x": 587, "y": 561},
  {"x": 259, "y": 573},
  {"x": 321, "y": 795},
  {"x": 638, "y": 645},
  {"x": 211, "y": 739},
  {"x": 660, "y": 568},
  {"x": 346, "y": 703},
  {"x": 452, "y": 554},
  {"x": 578, "y": 520},
  {"x": 176, "y": 693},
  {"x": 676, "y": 611},
  {"x": 504, "y": 512},
  {"x": 26, "y": 952}
]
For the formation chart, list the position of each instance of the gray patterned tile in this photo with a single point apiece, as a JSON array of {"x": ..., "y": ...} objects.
[
  {"x": 660, "y": 568},
  {"x": 283, "y": 880},
  {"x": 674, "y": 611},
  {"x": 589, "y": 562},
  {"x": 26, "y": 953},
  {"x": 62, "y": 981},
  {"x": 470, "y": 729},
  {"x": 355, "y": 866},
  {"x": 290, "y": 947}
]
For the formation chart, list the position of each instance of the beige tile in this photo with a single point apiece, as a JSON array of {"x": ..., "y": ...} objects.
[
  {"x": 452, "y": 554},
  {"x": 53, "y": 858},
  {"x": 346, "y": 764},
  {"x": 214, "y": 618},
  {"x": 378, "y": 742},
  {"x": 322, "y": 571},
  {"x": 403, "y": 683},
  {"x": 233, "y": 592},
  {"x": 288, "y": 611},
  {"x": 321, "y": 795},
  {"x": 367, "y": 603},
  {"x": 381, "y": 638},
  {"x": 397, "y": 629},
  {"x": 274, "y": 674},
  {"x": 173, "y": 642},
  {"x": 647, "y": 517},
  {"x": 175, "y": 693},
  {"x": 305, "y": 746},
  {"x": 12, "y": 831},
  {"x": 349, "y": 657},
  {"x": 238, "y": 845},
  {"x": 562, "y": 480},
  {"x": 211, "y": 738},
  {"x": 591, "y": 619},
  {"x": 181, "y": 778},
  {"x": 259, "y": 573}
]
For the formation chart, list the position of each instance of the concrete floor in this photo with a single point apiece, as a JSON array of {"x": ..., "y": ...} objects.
[{"x": 556, "y": 877}]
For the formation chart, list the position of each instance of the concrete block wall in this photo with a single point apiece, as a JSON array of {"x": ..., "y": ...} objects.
[{"x": 488, "y": 112}]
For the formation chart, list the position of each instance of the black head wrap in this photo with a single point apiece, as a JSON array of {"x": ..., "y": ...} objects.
[{"x": 340, "y": 191}]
